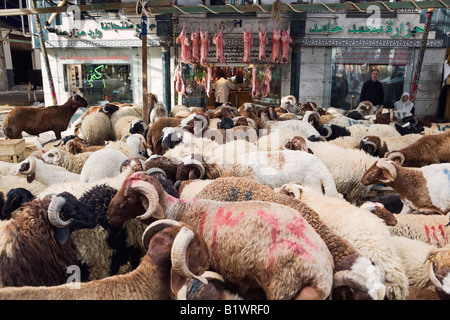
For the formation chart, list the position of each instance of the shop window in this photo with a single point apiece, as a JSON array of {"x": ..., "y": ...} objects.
[
  {"x": 100, "y": 83},
  {"x": 351, "y": 67}
]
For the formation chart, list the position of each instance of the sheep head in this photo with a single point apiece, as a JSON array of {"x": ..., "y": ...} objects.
[
  {"x": 140, "y": 196},
  {"x": 170, "y": 241},
  {"x": 27, "y": 167},
  {"x": 296, "y": 143},
  {"x": 439, "y": 270},
  {"x": 382, "y": 171},
  {"x": 52, "y": 156},
  {"x": 67, "y": 214},
  {"x": 381, "y": 212},
  {"x": 77, "y": 101}
]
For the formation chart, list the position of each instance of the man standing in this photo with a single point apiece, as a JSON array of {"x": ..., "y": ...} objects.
[
  {"x": 222, "y": 88},
  {"x": 372, "y": 90}
]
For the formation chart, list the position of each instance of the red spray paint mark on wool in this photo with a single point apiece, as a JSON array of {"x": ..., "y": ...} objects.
[
  {"x": 434, "y": 235},
  {"x": 297, "y": 227},
  {"x": 441, "y": 229},
  {"x": 427, "y": 232},
  {"x": 223, "y": 219},
  {"x": 171, "y": 199},
  {"x": 201, "y": 226}
]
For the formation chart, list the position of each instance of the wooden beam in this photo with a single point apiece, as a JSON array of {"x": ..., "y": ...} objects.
[{"x": 130, "y": 7}]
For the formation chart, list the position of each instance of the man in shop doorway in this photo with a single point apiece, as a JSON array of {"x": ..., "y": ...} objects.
[
  {"x": 222, "y": 89},
  {"x": 372, "y": 90}
]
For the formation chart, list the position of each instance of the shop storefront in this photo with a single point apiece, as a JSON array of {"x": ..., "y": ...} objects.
[
  {"x": 339, "y": 50},
  {"x": 234, "y": 67}
]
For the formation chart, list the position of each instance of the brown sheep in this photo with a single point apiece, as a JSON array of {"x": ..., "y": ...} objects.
[
  {"x": 78, "y": 145},
  {"x": 35, "y": 121},
  {"x": 174, "y": 253},
  {"x": 425, "y": 151},
  {"x": 154, "y": 133}
]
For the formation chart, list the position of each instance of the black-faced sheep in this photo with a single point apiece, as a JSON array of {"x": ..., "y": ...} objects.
[
  {"x": 424, "y": 189},
  {"x": 15, "y": 198},
  {"x": 250, "y": 260},
  {"x": 38, "y": 120},
  {"x": 345, "y": 256},
  {"x": 175, "y": 253},
  {"x": 427, "y": 150},
  {"x": 36, "y": 249}
]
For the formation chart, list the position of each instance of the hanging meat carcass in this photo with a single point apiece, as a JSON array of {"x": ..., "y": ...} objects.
[
  {"x": 179, "y": 84},
  {"x": 204, "y": 47},
  {"x": 209, "y": 81},
  {"x": 265, "y": 86},
  {"x": 183, "y": 39},
  {"x": 195, "y": 42},
  {"x": 248, "y": 41},
  {"x": 219, "y": 41},
  {"x": 255, "y": 84},
  {"x": 286, "y": 40},
  {"x": 276, "y": 44},
  {"x": 263, "y": 40}
]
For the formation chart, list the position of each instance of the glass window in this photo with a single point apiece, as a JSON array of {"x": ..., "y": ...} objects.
[
  {"x": 351, "y": 68},
  {"x": 100, "y": 82}
]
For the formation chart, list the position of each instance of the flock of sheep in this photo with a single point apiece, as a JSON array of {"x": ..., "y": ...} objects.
[{"x": 237, "y": 203}]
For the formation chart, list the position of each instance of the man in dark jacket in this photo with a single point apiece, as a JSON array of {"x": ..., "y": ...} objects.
[{"x": 372, "y": 90}]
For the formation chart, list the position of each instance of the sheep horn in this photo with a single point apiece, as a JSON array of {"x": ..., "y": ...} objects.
[
  {"x": 433, "y": 277},
  {"x": 57, "y": 157},
  {"x": 149, "y": 191},
  {"x": 389, "y": 167},
  {"x": 209, "y": 275},
  {"x": 155, "y": 171},
  {"x": 197, "y": 164},
  {"x": 396, "y": 156},
  {"x": 329, "y": 130},
  {"x": 178, "y": 254},
  {"x": 156, "y": 227},
  {"x": 347, "y": 278},
  {"x": 53, "y": 213},
  {"x": 369, "y": 143}
]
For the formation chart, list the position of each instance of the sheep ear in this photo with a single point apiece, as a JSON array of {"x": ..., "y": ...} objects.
[
  {"x": 388, "y": 177},
  {"x": 177, "y": 281},
  {"x": 31, "y": 177},
  {"x": 62, "y": 235}
]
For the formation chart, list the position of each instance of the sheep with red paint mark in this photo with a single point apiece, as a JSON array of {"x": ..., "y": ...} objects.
[
  {"x": 257, "y": 244},
  {"x": 430, "y": 229}
]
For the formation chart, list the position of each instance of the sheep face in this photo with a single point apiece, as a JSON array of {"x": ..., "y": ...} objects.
[
  {"x": 380, "y": 172},
  {"x": 296, "y": 143},
  {"x": 14, "y": 199},
  {"x": 129, "y": 203},
  {"x": 77, "y": 101}
]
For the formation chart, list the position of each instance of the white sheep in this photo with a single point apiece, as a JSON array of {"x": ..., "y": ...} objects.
[
  {"x": 430, "y": 229},
  {"x": 275, "y": 168},
  {"x": 379, "y": 130},
  {"x": 96, "y": 129},
  {"x": 37, "y": 169},
  {"x": 366, "y": 232},
  {"x": 66, "y": 160},
  {"x": 131, "y": 145},
  {"x": 101, "y": 164},
  {"x": 124, "y": 112},
  {"x": 158, "y": 111},
  {"x": 122, "y": 126}
]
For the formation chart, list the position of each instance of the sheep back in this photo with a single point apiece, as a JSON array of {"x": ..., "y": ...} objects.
[
  {"x": 96, "y": 129},
  {"x": 104, "y": 163}
]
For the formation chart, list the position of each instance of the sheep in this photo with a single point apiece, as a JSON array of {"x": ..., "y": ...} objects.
[
  {"x": 359, "y": 131},
  {"x": 254, "y": 257},
  {"x": 138, "y": 126},
  {"x": 423, "y": 189},
  {"x": 123, "y": 112},
  {"x": 101, "y": 164},
  {"x": 15, "y": 198},
  {"x": 346, "y": 166},
  {"x": 333, "y": 131},
  {"x": 289, "y": 104},
  {"x": 123, "y": 125},
  {"x": 34, "y": 168},
  {"x": 96, "y": 129},
  {"x": 155, "y": 132},
  {"x": 377, "y": 146},
  {"x": 35, "y": 246},
  {"x": 78, "y": 145},
  {"x": 345, "y": 256},
  {"x": 427, "y": 150},
  {"x": 76, "y": 125},
  {"x": 381, "y": 212},
  {"x": 38, "y": 120},
  {"x": 391, "y": 201},
  {"x": 158, "y": 111},
  {"x": 133, "y": 146},
  {"x": 275, "y": 168},
  {"x": 180, "y": 111},
  {"x": 170, "y": 245},
  {"x": 366, "y": 232},
  {"x": 430, "y": 229},
  {"x": 66, "y": 160}
]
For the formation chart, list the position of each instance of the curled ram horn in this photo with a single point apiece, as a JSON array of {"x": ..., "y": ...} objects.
[
  {"x": 434, "y": 280},
  {"x": 196, "y": 164},
  {"x": 53, "y": 213},
  {"x": 388, "y": 166},
  {"x": 366, "y": 143},
  {"x": 178, "y": 254},
  {"x": 396, "y": 156},
  {"x": 148, "y": 191},
  {"x": 156, "y": 227},
  {"x": 347, "y": 278},
  {"x": 155, "y": 171},
  {"x": 329, "y": 131}
]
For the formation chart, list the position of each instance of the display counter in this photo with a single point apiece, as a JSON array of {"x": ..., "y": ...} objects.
[{"x": 235, "y": 97}]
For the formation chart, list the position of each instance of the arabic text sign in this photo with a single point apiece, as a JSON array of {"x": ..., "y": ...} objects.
[
  {"x": 395, "y": 57},
  {"x": 91, "y": 58}
]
